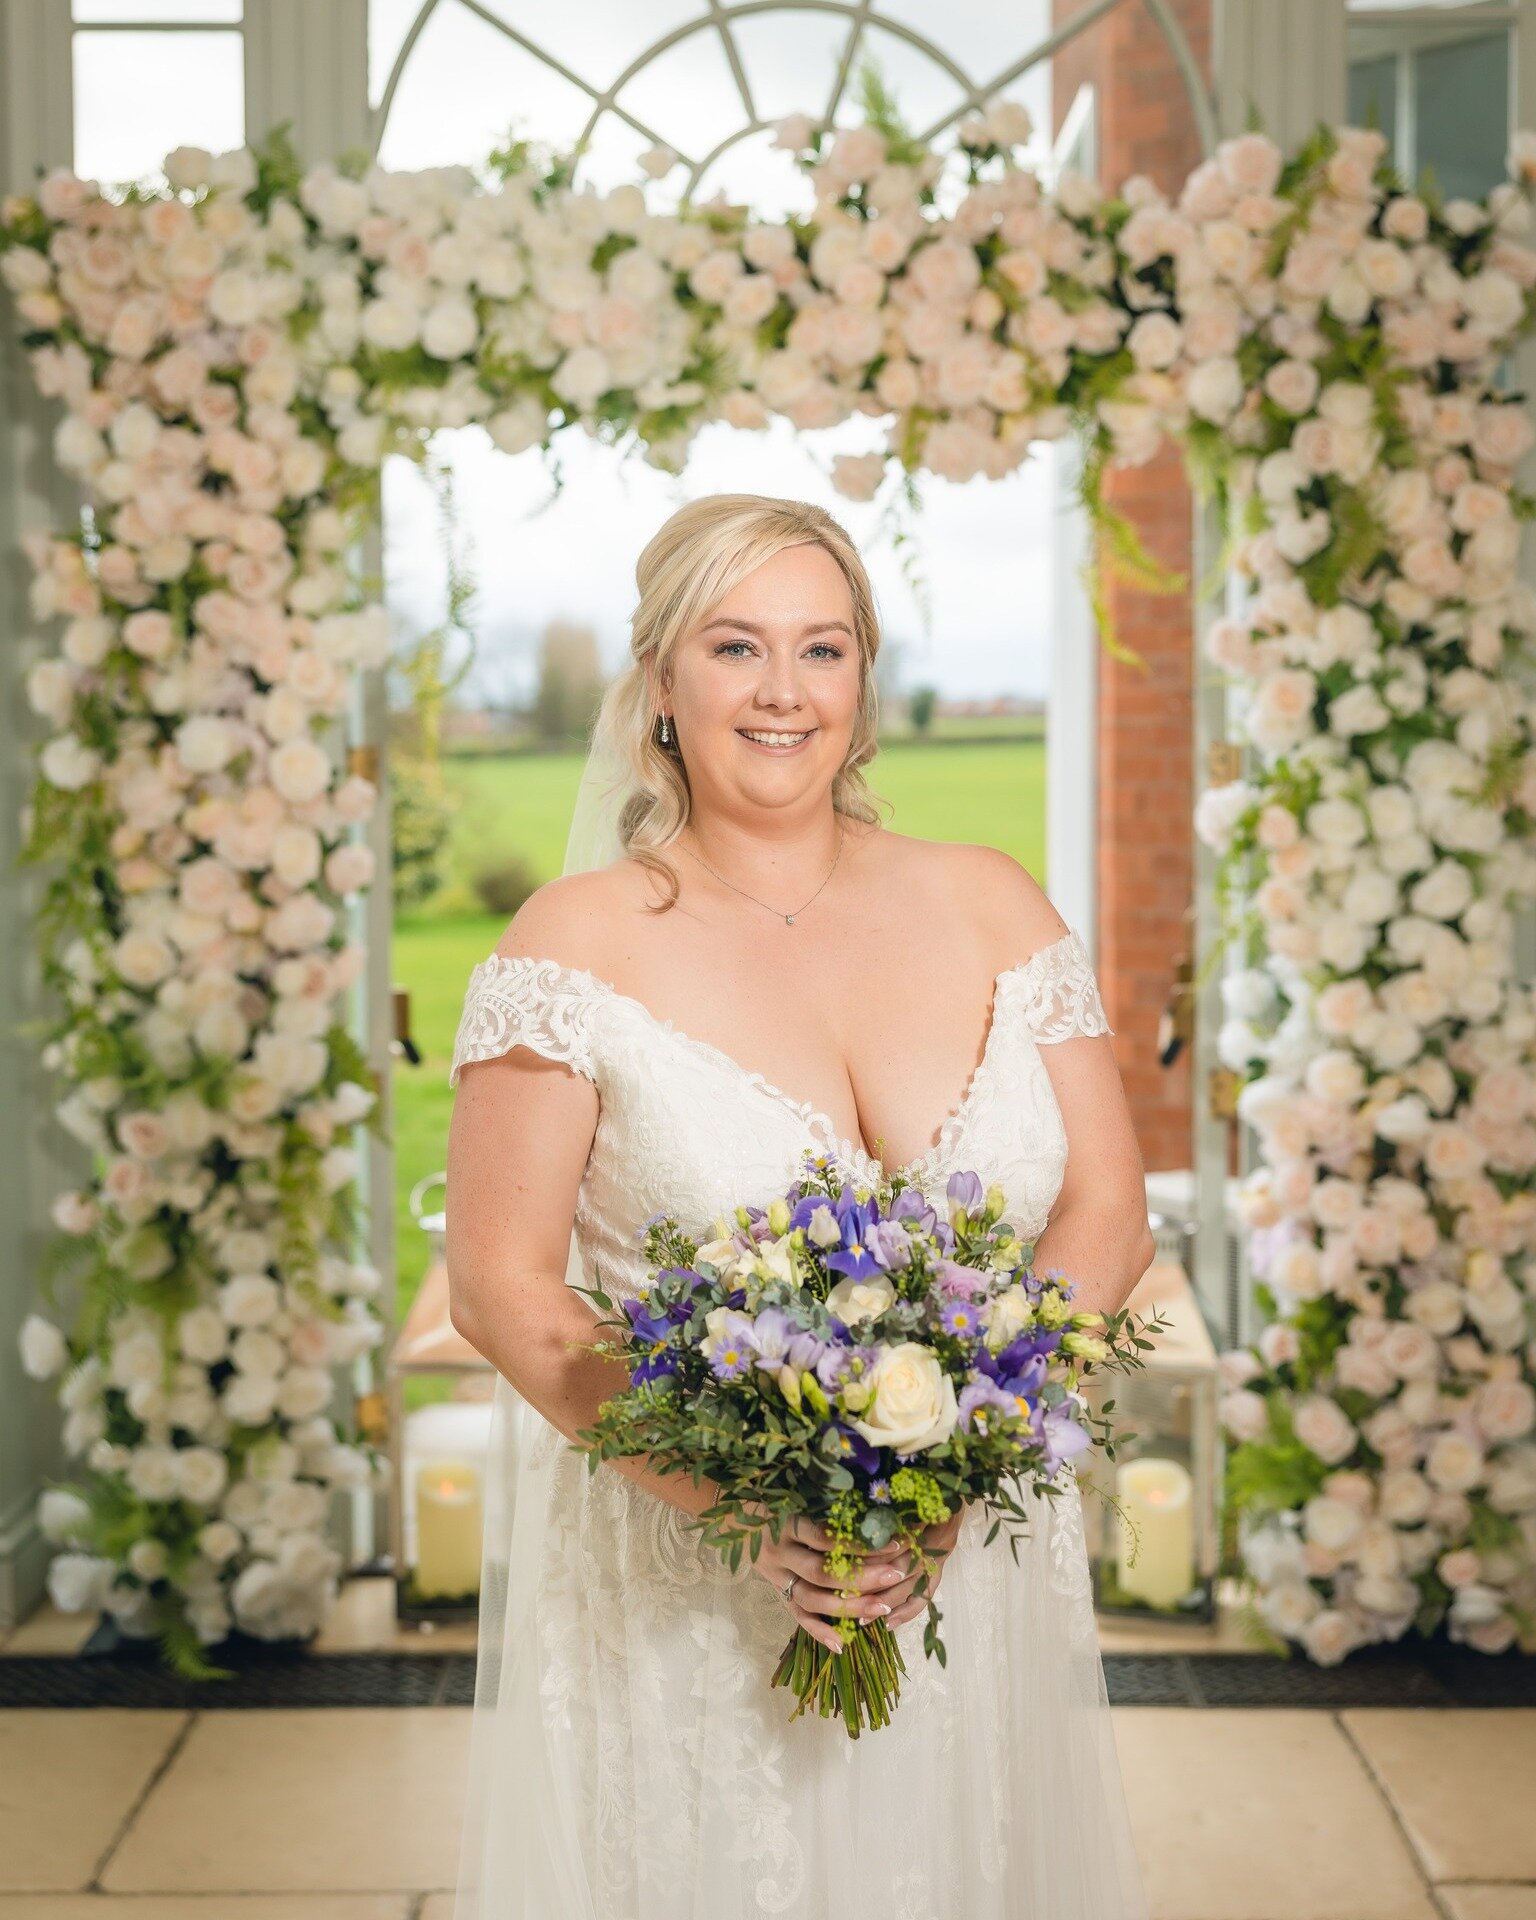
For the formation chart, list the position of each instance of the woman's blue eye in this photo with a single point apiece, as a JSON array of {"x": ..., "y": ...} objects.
[{"x": 824, "y": 646}]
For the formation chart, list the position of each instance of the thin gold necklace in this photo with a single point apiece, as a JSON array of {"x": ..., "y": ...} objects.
[{"x": 787, "y": 918}]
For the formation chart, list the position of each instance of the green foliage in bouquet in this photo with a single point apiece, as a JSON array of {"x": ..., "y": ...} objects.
[{"x": 849, "y": 1356}]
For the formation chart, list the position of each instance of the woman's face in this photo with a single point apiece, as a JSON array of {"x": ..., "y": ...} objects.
[{"x": 776, "y": 657}]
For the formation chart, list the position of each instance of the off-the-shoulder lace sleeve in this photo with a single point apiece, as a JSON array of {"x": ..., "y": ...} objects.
[
  {"x": 516, "y": 1001},
  {"x": 1061, "y": 996}
]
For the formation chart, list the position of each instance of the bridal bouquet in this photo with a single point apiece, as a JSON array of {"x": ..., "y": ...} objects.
[{"x": 847, "y": 1355}]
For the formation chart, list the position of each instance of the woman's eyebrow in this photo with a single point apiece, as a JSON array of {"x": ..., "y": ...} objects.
[{"x": 822, "y": 626}]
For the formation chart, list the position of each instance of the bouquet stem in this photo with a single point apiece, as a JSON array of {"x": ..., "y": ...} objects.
[{"x": 861, "y": 1684}]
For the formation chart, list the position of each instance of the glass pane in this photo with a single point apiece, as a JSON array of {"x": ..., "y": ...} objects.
[
  {"x": 1373, "y": 97},
  {"x": 138, "y": 95},
  {"x": 687, "y": 95},
  {"x": 465, "y": 87},
  {"x": 202, "y": 13},
  {"x": 597, "y": 39},
  {"x": 1461, "y": 112},
  {"x": 389, "y": 21}
]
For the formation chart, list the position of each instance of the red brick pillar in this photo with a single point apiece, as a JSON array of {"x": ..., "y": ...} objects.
[{"x": 1146, "y": 722}]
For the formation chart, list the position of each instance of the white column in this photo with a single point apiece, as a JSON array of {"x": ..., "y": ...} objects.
[
  {"x": 1072, "y": 706},
  {"x": 306, "y": 65},
  {"x": 37, "y": 1158},
  {"x": 1287, "y": 61}
]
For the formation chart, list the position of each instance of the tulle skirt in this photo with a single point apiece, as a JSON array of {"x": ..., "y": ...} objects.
[{"x": 630, "y": 1761}]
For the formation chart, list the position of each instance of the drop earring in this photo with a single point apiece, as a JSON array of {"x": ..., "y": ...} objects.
[{"x": 664, "y": 735}]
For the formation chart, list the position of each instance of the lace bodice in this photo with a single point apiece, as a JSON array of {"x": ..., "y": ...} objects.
[{"x": 685, "y": 1129}]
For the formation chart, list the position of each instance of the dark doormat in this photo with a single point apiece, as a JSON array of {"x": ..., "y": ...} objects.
[{"x": 111, "y": 1672}]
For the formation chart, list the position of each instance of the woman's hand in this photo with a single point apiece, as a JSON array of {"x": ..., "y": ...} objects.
[{"x": 880, "y": 1587}]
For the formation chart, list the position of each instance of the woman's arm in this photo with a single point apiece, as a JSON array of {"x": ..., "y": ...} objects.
[
  {"x": 1098, "y": 1233},
  {"x": 518, "y": 1142}
]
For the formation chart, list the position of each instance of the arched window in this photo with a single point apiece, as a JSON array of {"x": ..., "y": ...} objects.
[{"x": 150, "y": 75}]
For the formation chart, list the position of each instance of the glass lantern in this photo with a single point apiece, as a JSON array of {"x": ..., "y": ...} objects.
[
  {"x": 1154, "y": 1547},
  {"x": 439, "y": 1391}
]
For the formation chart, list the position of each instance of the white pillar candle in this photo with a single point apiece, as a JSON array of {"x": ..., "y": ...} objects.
[
  {"x": 448, "y": 1528},
  {"x": 1158, "y": 1496}
]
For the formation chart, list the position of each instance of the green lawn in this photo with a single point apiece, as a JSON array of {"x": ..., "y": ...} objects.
[{"x": 994, "y": 793}]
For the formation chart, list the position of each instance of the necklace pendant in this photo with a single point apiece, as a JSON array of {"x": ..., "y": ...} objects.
[{"x": 789, "y": 919}]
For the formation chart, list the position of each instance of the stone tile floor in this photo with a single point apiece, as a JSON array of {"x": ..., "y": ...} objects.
[{"x": 351, "y": 1813}]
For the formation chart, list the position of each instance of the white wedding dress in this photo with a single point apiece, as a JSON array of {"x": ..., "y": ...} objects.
[{"x": 629, "y": 1759}]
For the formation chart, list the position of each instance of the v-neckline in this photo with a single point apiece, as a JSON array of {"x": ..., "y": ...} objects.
[{"x": 814, "y": 1118}]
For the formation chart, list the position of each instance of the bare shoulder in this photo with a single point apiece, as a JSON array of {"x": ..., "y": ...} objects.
[
  {"x": 979, "y": 886},
  {"x": 570, "y": 919}
]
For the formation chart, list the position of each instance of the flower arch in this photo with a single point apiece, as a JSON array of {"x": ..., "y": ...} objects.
[{"x": 236, "y": 356}]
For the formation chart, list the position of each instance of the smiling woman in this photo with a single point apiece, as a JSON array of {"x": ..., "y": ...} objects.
[{"x": 877, "y": 974}]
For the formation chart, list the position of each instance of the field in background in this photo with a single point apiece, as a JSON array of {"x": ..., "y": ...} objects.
[{"x": 993, "y": 792}]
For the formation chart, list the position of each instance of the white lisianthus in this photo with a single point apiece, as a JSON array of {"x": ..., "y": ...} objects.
[
  {"x": 913, "y": 1405},
  {"x": 1010, "y": 1313}
]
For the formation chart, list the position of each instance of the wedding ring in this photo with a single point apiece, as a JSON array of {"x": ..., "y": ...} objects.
[{"x": 789, "y": 1588}]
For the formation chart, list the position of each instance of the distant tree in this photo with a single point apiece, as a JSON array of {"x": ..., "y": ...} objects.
[
  {"x": 421, "y": 822},
  {"x": 920, "y": 707},
  {"x": 570, "y": 680}
]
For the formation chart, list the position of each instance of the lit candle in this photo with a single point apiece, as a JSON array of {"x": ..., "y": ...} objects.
[
  {"x": 448, "y": 1528},
  {"x": 1158, "y": 1497}
]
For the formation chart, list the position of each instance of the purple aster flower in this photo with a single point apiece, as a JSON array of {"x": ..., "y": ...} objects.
[
  {"x": 731, "y": 1358},
  {"x": 880, "y": 1489},
  {"x": 962, "y": 1318}
]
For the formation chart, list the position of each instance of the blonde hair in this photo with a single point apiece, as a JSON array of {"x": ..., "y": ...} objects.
[{"x": 686, "y": 569}]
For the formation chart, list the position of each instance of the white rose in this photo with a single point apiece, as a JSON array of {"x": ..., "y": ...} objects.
[
  {"x": 854, "y": 1301},
  {"x": 914, "y": 1400},
  {"x": 78, "y": 1582},
  {"x": 43, "y": 1347},
  {"x": 1331, "y": 1523},
  {"x": 1324, "y": 1428},
  {"x": 1455, "y": 1463}
]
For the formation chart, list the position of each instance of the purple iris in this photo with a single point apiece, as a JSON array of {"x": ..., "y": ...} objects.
[
  {"x": 681, "y": 1310},
  {"x": 658, "y": 1362},
  {"x": 854, "y": 1447},
  {"x": 1013, "y": 1372},
  {"x": 648, "y": 1325},
  {"x": 857, "y": 1256}
]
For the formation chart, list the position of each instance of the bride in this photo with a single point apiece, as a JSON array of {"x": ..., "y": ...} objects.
[{"x": 740, "y": 964}]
